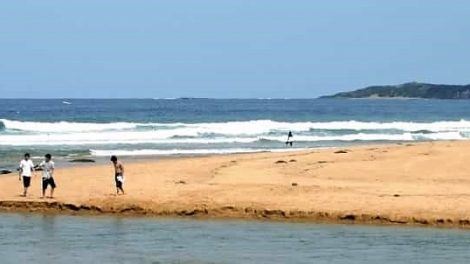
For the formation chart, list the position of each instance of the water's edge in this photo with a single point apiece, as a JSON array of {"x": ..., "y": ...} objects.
[{"x": 228, "y": 212}]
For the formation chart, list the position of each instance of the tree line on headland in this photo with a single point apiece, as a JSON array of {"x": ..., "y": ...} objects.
[{"x": 409, "y": 90}]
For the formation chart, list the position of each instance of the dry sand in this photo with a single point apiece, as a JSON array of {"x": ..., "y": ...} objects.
[{"x": 424, "y": 184}]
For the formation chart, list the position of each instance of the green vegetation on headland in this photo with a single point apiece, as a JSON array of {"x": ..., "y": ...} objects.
[{"x": 409, "y": 90}]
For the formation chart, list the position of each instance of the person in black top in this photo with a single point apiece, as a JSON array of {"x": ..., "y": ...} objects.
[{"x": 290, "y": 139}]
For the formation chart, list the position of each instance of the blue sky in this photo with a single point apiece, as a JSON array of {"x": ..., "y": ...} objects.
[{"x": 228, "y": 48}]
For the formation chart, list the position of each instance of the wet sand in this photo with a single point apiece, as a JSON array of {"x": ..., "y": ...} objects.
[{"x": 416, "y": 184}]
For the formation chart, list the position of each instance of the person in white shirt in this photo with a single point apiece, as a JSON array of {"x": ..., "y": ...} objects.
[
  {"x": 26, "y": 170},
  {"x": 48, "y": 167}
]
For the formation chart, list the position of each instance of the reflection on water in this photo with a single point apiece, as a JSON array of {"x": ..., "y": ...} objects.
[{"x": 66, "y": 239}]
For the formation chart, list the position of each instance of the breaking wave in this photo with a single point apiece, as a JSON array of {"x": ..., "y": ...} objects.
[{"x": 232, "y": 134}]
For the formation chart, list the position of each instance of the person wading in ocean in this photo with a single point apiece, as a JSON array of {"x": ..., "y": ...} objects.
[{"x": 290, "y": 139}]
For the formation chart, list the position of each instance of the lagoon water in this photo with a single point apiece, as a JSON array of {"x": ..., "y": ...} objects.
[{"x": 35, "y": 238}]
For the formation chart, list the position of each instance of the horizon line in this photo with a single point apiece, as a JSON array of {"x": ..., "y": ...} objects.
[{"x": 156, "y": 98}]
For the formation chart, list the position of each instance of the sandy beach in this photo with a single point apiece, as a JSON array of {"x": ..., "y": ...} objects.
[{"x": 417, "y": 184}]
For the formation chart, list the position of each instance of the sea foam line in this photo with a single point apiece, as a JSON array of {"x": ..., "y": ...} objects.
[
  {"x": 236, "y": 127},
  {"x": 112, "y": 138},
  {"x": 146, "y": 152}
]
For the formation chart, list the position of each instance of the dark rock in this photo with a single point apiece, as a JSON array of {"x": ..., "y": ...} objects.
[
  {"x": 268, "y": 212},
  {"x": 5, "y": 171},
  {"x": 292, "y": 160},
  {"x": 348, "y": 217},
  {"x": 396, "y": 195},
  {"x": 180, "y": 182},
  {"x": 72, "y": 207},
  {"x": 280, "y": 162},
  {"x": 464, "y": 222},
  {"x": 82, "y": 160},
  {"x": 421, "y": 221},
  {"x": 341, "y": 151},
  {"x": 295, "y": 184}
]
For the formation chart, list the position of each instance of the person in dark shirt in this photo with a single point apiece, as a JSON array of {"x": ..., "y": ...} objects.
[{"x": 290, "y": 139}]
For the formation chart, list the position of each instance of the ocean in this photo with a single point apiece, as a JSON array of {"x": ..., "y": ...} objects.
[
  {"x": 94, "y": 128},
  {"x": 34, "y": 238},
  {"x": 163, "y": 128}
]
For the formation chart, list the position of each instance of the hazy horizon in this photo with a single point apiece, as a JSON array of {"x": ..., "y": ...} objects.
[{"x": 222, "y": 98}]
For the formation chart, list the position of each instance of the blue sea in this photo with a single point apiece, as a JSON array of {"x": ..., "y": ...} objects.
[{"x": 96, "y": 128}]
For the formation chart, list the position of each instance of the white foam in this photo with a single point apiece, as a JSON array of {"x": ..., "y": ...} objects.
[
  {"x": 350, "y": 137},
  {"x": 377, "y": 137},
  {"x": 72, "y": 133},
  {"x": 147, "y": 152},
  {"x": 100, "y": 138},
  {"x": 440, "y": 136},
  {"x": 254, "y": 127},
  {"x": 110, "y": 138},
  {"x": 63, "y": 126}
]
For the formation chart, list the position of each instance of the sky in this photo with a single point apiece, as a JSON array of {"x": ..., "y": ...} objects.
[{"x": 227, "y": 48}]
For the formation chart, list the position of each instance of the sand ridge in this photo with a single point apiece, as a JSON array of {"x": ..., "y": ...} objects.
[{"x": 424, "y": 184}]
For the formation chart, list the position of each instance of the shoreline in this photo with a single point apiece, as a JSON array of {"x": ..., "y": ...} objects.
[
  {"x": 412, "y": 184},
  {"x": 227, "y": 213},
  {"x": 68, "y": 162}
]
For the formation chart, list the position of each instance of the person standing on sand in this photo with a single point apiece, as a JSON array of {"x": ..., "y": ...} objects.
[
  {"x": 48, "y": 167},
  {"x": 25, "y": 171},
  {"x": 118, "y": 174},
  {"x": 290, "y": 139}
]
